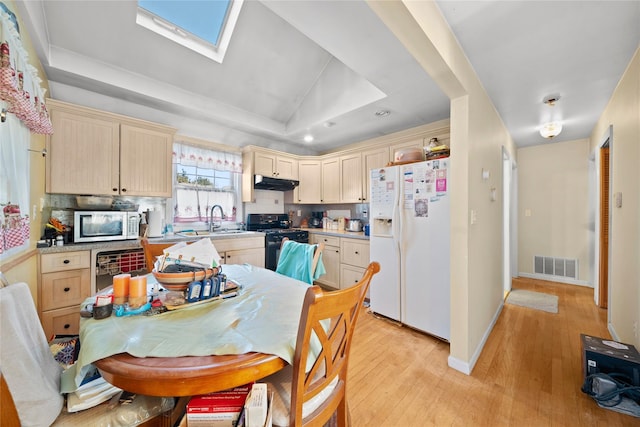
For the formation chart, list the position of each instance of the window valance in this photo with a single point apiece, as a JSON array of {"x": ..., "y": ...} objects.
[
  {"x": 20, "y": 85},
  {"x": 189, "y": 155}
]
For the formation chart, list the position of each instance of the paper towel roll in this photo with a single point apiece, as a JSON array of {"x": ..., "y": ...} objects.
[{"x": 154, "y": 218}]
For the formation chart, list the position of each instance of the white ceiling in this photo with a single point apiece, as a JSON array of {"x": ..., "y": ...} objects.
[{"x": 291, "y": 67}]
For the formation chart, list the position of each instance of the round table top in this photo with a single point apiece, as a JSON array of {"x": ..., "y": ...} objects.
[{"x": 187, "y": 375}]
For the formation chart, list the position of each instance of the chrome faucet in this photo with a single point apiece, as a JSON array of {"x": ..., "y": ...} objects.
[{"x": 211, "y": 225}]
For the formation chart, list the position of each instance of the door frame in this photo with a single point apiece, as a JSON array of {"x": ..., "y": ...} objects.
[
  {"x": 606, "y": 140},
  {"x": 509, "y": 220}
]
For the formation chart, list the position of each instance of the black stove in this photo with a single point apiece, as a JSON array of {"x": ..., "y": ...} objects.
[{"x": 275, "y": 227}]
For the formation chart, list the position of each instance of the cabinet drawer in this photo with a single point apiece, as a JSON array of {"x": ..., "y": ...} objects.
[
  {"x": 65, "y": 261},
  {"x": 65, "y": 288},
  {"x": 350, "y": 275},
  {"x": 354, "y": 252},
  {"x": 327, "y": 240},
  {"x": 65, "y": 321}
]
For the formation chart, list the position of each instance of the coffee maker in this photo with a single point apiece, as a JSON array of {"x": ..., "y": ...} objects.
[{"x": 316, "y": 219}]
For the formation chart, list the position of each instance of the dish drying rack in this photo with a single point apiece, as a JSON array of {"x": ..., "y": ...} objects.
[{"x": 110, "y": 263}]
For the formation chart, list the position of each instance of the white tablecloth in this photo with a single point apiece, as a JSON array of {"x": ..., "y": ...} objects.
[{"x": 263, "y": 318}]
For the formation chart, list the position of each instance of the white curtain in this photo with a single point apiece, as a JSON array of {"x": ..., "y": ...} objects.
[{"x": 14, "y": 185}]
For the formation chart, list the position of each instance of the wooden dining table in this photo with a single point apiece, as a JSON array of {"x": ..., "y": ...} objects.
[
  {"x": 201, "y": 350},
  {"x": 187, "y": 375}
]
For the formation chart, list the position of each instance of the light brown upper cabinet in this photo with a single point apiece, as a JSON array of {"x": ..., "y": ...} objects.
[
  {"x": 331, "y": 180},
  {"x": 372, "y": 159},
  {"x": 310, "y": 188},
  {"x": 351, "y": 178},
  {"x": 100, "y": 153},
  {"x": 276, "y": 166}
]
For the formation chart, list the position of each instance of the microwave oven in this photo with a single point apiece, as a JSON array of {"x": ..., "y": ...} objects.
[{"x": 103, "y": 226}]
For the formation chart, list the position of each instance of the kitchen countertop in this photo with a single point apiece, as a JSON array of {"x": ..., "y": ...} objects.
[
  {"x": 338, "y": 233},
  {"x": 135, "y": 243}
]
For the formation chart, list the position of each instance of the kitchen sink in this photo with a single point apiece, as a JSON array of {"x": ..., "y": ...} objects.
[{"x": 205, "y": 233}]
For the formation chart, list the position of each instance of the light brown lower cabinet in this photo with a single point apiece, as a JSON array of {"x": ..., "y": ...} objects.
[{"x": 65, "y": 282}]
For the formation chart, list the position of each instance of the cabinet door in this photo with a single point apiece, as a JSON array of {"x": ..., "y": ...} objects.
[
  {"x": 350, "y": 276},
  {"x": 286, "y": 167},
  {"x": 65, "y": 288},
  {"x": 416, "y": 143},
  {"x": 264, "y": 164},
  {"x": 64, "y": 321},
  {"x": 373, "y": 159},
  {"x": 82, "y": 155},
  {"x": 248, "y": 256},
  {"x": 331, "y": 181},
  {"x": 310, "y": 188},
  {"x": 354, "y": 252},
  {"x": 331, "y": 261},
  {"x": 351, "y": 178},
  {"x": 145, "y": 162}
]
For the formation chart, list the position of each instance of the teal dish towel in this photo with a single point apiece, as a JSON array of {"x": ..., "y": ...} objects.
[{"x": 296, "y": 259}]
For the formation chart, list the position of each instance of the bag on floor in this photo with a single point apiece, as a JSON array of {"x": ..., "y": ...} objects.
[{"x": 613, "y": 391}]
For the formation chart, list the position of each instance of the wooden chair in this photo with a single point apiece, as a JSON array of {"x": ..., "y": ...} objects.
[
  {"x": 314, "y": 261},
  {"x": 310, "y": 397},
  {"x": 153, "y": 250}
]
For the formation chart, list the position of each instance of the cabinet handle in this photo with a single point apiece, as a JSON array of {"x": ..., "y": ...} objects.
[
  {"x": 67, "y": 326},
  {"x": 67, "y": 289},
  {"x": 124, "y": 190},
  {"x": 66, "y": 261},
  {"x": 356, "y": 252},
  {"x": 114, "y": 189}
]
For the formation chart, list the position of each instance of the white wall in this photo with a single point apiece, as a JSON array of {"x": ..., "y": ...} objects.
[
  {"x": 623, "y": 114},
  {"x": 553, "y": 213}
]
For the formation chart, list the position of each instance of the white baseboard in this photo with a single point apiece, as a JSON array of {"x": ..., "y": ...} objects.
[
  {"x": 467, "y": 367},
  {"x": 558, "y": 279}
]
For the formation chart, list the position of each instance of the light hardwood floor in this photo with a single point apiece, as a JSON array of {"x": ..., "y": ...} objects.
[{"x": 529, "y": 373}]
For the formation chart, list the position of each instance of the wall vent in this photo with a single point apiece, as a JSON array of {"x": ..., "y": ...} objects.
[{"x": 551, "y": 266}]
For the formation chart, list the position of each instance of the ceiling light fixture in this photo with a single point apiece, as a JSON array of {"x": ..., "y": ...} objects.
[
  {"x": 551, "y": 100},
  {"x": 308, "y": 138},
  {"x": 551, "y": 129},
  {"x": 382, "y": 113}
]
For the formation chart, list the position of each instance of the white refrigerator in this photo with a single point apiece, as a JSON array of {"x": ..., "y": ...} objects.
[{"x": 409, "y": 237}]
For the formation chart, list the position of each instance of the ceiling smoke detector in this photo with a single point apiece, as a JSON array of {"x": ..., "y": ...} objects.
[{"x": 382, "y": 113}]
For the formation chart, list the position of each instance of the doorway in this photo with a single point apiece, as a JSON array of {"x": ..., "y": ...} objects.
[
  {"x": 600, "y": 217},
  {"x": 604, "y": 220},
  {"x": 509, "y": 224}
]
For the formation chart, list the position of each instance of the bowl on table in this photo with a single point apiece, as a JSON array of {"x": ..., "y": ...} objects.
[{"x": 180, "y": 281}]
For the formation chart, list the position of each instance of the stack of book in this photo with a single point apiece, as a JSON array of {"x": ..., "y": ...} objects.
[{"x": 245, "y": 406}]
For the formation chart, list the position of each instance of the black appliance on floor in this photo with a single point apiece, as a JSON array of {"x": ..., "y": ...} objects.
[{"x": 276, "y": 227}]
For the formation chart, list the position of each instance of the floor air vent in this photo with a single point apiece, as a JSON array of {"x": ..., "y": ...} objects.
[{"x": 551, "y": 266}]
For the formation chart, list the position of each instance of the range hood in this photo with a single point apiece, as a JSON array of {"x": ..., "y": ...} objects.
[{"x": 268, "y": 183}]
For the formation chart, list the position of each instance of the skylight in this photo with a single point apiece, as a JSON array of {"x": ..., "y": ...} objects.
[{"x": 202, "y": 26}]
